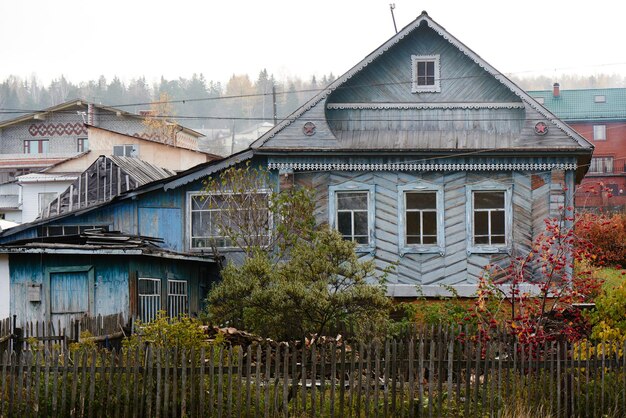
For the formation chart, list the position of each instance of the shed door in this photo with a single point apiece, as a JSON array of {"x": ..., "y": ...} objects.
[{"x": 69, "y": 297}]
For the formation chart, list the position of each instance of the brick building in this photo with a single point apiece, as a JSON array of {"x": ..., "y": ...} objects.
[{"x": 600, "y": 116}]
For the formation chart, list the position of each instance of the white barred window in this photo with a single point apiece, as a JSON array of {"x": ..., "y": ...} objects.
[{"x": 217, "y": 218}]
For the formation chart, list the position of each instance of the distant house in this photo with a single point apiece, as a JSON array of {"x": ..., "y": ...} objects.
[
  {"x": 600, "y": 116},
  {"x": 40, "y": 140},
  {"x": 423, "y": 154}
]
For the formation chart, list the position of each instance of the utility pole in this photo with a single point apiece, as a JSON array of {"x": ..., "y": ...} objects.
[
  {"x": 391, "y": 7},
  {"x": 274, "y": 104}
]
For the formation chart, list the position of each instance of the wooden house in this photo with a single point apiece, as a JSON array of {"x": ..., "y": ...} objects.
[
  {"x": 430, "y": 159},
  {"x": 423, "y": 154}
]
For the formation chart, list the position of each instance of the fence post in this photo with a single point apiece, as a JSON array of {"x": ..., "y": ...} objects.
[{"x": 18, "y": 338}]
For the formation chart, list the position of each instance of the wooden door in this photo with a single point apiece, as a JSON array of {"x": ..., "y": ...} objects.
[{"x": 69, "y": 297}]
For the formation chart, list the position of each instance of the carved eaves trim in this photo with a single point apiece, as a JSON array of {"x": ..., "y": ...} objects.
[
  {"x": 420, "y": 167},
  {"x": 441, "y": 105}
]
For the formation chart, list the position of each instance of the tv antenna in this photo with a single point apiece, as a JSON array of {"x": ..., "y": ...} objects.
[{"x": 391, "y": 7}]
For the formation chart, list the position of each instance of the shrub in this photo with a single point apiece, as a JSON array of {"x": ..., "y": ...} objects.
[
  {"x": 182, "y": 332},
  {"x": 606, "y": 237},
  {"x": 323, "y": 287},
  {"x": 609, "y": 318}
]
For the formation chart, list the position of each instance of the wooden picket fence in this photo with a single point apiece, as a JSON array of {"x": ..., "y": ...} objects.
[
  {"x": 432, "y": 375},
  {"x": 6, "y": 332},
  {"x": 50, "y": 335}
]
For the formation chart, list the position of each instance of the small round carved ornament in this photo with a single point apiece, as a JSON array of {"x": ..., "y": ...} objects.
[
  {"x": 309, "y": 129},
  {"x": 541, "y": 128}
]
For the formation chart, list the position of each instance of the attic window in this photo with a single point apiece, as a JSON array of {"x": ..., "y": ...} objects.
[
  {"x": 425, "y": 74},
  {"x": 599, "y": 98}
]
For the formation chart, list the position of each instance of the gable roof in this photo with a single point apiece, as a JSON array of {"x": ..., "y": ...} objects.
[
  {"x": 152, "y": 140},
  {"x": 578, "y": 140},
  {"x": 580, "y": 104},
  {"x": 81, "y": 103}
]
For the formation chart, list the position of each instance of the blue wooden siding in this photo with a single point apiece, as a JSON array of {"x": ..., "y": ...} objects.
[
  {"x": 388, "y": 78},
  {"x": 455, "y": 266},
  {"x": 164, "y": 223},
  {"x": 64, "y": 278},
  {"x": 69, "y": 292}
]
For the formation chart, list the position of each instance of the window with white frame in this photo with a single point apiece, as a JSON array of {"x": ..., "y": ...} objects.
[
  {"x": 599, "y": 98},
  {"x": 149, "y": 291},
  {"x": 177, "y": 298},
  {"x": 218, "y": 218},
  {"x": 425, "y": 74},
  {"x": 599, "y": 132},
  {"x": 420, "y": 218},
  {"x": 351, "y": 212},
  {"x": 601, "y": 165},
  {"x": 489, "y": 218}
]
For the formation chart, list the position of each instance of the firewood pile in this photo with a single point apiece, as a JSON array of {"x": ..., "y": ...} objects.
[{"x": 237, "y": 338}]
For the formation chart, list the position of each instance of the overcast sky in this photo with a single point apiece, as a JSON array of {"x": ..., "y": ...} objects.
[{"x": 84, "y": 39}]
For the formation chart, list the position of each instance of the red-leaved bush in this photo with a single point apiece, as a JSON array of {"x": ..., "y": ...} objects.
[
  {"x": 540, "y": 289},
  {"x": 605, "y": 236}
]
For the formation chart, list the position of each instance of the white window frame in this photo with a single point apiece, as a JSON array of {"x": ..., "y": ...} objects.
[
  {"x": 599, "y": 163},
  {"x": 599, "y": 98},
  {"x": 423, "y": 187},
  {"x": 489, "y": 186},
  {"x": 434, "y": 88},
  {"x": 176, "y": 298},
  {"x": 153, "y": 296},
  {"x": 348, "y": 187},
  {"x": 191, "y": 195},
  {"x": 599, "y": 132}
]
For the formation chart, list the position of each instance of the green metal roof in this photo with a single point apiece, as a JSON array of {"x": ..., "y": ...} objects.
[{"x": 581, "y": 105}]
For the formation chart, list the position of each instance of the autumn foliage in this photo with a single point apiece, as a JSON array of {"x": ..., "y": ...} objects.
[
  {"x": 605, "y": 235},
  {"x": 534, "y": 298}
]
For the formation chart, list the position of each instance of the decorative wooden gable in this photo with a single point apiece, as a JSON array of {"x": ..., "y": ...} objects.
[{"x": 422, "y": 90}]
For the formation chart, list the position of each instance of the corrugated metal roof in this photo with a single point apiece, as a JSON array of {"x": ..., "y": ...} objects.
[
  {"x": 141, "y": 171},
  {"x": 583, "y": 104},
  {"x": 43, "y": 177}
]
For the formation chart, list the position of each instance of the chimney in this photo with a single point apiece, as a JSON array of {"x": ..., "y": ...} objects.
[{"x": 556, "y": 90}]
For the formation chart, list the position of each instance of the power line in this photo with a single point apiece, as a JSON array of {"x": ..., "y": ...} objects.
[{"x": 286, "y": 92}]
